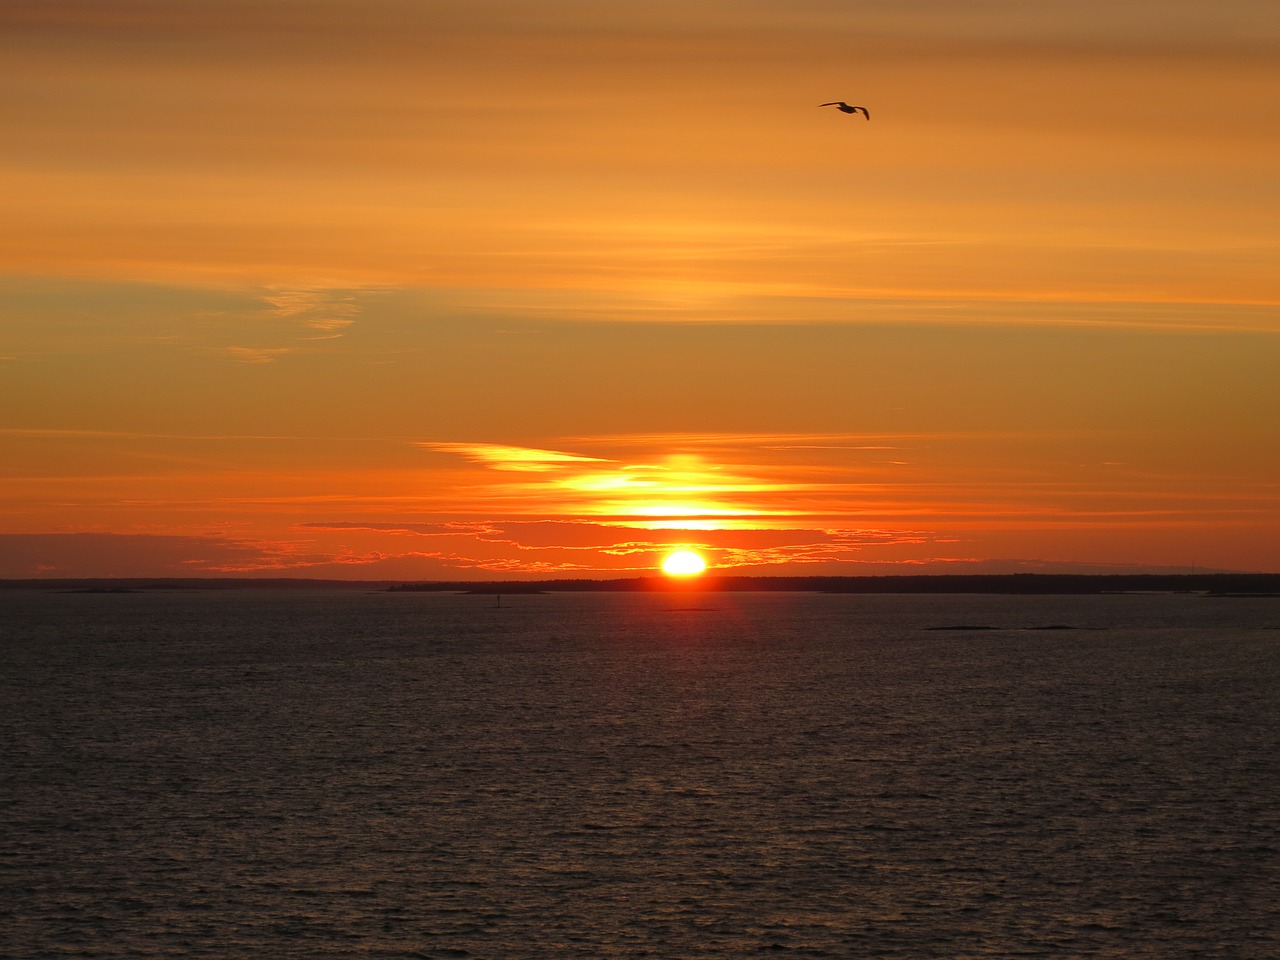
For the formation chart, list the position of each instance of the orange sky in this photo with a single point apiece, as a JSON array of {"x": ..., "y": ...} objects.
[{"x": 417, "y": 289}]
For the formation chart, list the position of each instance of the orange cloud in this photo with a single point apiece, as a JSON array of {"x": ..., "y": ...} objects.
[
  {"x": 676, "y": 485},
  {"x": 517, "y": 459},
  {"x": 257, "y": 354}
]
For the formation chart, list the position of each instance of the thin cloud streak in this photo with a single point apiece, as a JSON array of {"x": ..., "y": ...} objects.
[
  {"x": 516, "y": 459},
  {"x": 257, "y": 354}
]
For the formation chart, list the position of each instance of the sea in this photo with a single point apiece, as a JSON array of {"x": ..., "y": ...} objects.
[{"x": 330, "y": 774}]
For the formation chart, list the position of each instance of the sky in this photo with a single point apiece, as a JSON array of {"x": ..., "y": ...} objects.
[{"x": 486, "y": 289}]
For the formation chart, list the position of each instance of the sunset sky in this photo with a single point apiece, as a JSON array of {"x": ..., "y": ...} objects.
[{"x": 479, "y": 289}]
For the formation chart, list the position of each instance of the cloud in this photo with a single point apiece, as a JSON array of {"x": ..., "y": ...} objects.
[
  {"x": 713, "y": 479},
  {"x": 114, "y": 555},
  {"x": 518, "y": 459},
  {"x": 257, "y": 354},
  {"x": 324, "y": 314},
  {"x": 443, "y": 529},
  {"x": 328, "y": 311},
  {"x": 99, "y": 555}
]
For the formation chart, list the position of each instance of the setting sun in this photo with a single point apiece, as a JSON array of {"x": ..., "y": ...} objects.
[{"x": 683, "y": 563}]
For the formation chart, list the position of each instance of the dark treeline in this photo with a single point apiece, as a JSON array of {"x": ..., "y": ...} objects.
[{"x": 1223, "y": 584}]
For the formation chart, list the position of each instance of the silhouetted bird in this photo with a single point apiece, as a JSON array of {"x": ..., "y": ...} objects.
[{"x": 845, "y": 108}]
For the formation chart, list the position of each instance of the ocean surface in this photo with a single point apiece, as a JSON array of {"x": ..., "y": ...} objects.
[{"x": 284, "y": 774}]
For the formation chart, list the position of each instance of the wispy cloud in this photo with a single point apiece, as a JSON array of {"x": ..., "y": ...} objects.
[
  {"x": 671, "y": 485},
  {"x": 330, "y": 312},
  {"x": 720, "y": 482},
  {"x": 517, "y": 459},
  {"x": 414, "y": 528},
  {"x": 257, "y": 354}
]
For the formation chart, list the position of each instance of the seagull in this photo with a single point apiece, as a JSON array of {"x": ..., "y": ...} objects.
[{"x": 845, "y": 108}]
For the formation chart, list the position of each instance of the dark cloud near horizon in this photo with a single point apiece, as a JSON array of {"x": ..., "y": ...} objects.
[{"x": 24, "y": 555}]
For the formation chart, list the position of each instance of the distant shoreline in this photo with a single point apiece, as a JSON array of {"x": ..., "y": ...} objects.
[{"x": 1215, "y": 584}]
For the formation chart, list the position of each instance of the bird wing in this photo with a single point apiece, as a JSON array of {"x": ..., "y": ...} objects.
[
  {"x": 864, "y": 112},
  {"x": 833, "y": 103}
]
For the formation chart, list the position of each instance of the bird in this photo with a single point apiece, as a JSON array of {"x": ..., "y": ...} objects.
[{"x": 845, "y": 108}]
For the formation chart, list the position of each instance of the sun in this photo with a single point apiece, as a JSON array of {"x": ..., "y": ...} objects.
[{"x": 683, "y": 563}]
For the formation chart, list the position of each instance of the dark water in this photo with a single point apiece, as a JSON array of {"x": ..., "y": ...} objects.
[{"x": 590, "y": 776}]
